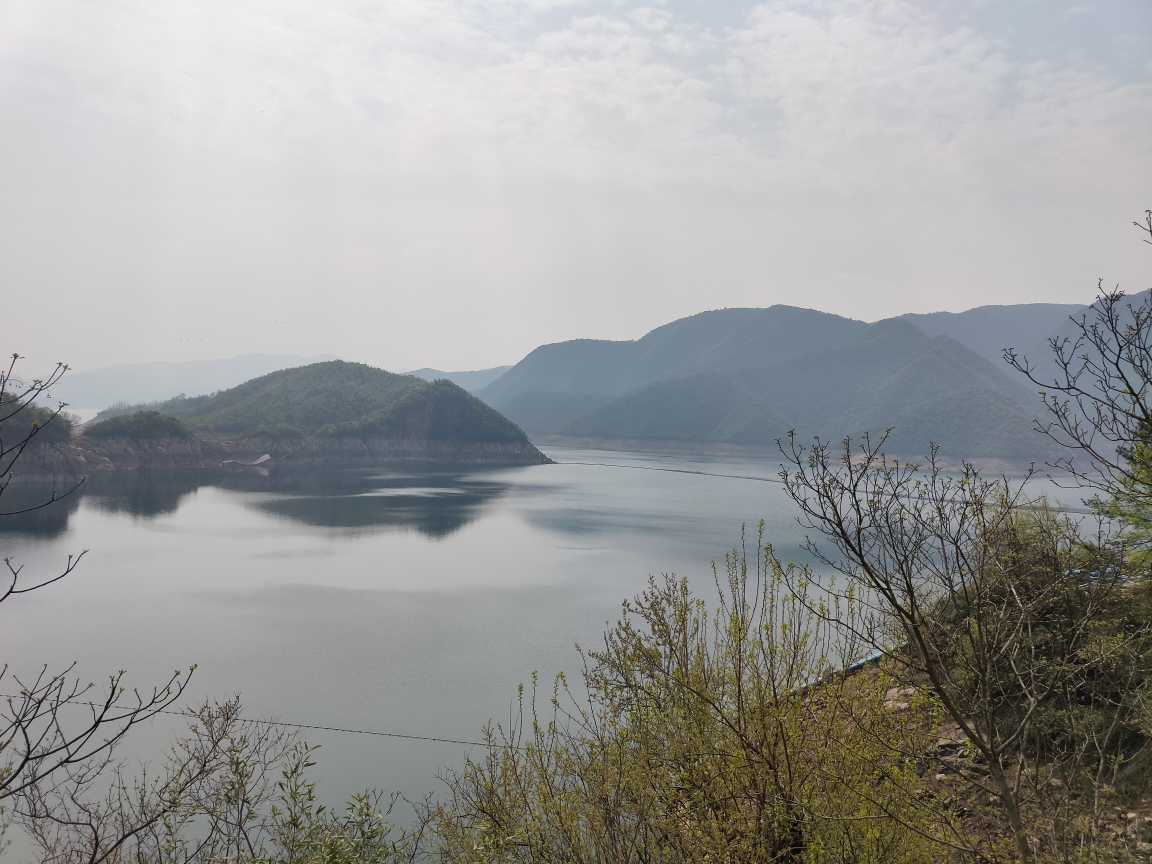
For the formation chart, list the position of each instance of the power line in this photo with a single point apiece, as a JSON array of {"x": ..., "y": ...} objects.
[
  {"x": 354, "y": 731},
  {"x": 1063, "y": 508},
  {"x": 676, "y": 471},
  {"x": 297, "y": 725}
]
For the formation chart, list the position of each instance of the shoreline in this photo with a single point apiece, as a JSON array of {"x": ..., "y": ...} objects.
[
  {"x": 994, "y": 465},
  {"x": 62, "y": 461}
]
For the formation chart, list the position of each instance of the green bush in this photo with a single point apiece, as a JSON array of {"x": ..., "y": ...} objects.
[
  {"x": 50, "y": 426},
  {"x": 141, "y": 426}
]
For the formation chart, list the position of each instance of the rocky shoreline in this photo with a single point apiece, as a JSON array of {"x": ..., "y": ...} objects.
[{"x": 70, "y": 460}]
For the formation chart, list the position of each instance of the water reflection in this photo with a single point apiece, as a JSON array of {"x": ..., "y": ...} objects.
[
  {"x": 143, "y": 494},
  {"x": 395, "y": 620},
  {"x": 433, "y": 501},
  {"x": 24, "y": 513}
]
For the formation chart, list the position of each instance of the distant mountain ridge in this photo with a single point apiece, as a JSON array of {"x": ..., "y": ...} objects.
[
  {"x": 724, "y": 339},
  {"x": 988, "y": 330},
  {"x": 471, "y": 381},
  {"x": 152, "y": 382},
  {"x": 744, "y": 377}
]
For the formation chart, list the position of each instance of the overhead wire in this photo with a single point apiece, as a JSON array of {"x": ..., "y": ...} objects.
[
  {"x": 1063, "y": 508},
  {"x": 292, "y": 725}
]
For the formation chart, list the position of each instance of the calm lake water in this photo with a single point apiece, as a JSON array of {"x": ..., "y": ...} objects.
[{"x": 404, "y": 600}]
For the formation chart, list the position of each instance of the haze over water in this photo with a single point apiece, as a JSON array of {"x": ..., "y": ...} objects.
[{"x": 404, "y": 600}]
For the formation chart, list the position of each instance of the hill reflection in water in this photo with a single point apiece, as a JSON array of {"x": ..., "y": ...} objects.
[
  {"x": 433, "y": 501},
  {"x": 24, "y": 513}
]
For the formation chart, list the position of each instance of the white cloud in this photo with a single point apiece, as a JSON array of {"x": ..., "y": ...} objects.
[{"x": 451, "y": 183}]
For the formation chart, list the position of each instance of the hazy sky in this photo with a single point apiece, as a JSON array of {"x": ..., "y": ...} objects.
[{"x": 450, "y": 183}]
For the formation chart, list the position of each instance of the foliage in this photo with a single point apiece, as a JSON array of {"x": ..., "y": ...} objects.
[
  {"x": 706, "y": 736},
  {"x": 1037, "y": 645},
  {"x": 436, "y": 410},
  {"x": 164, "y": 406},
  {"x": 231, "y": 790},
  {"x": 140, "y": 426},
  {"x": 44, "y": 425}
]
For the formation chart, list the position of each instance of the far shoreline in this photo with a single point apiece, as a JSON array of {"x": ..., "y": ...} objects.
[{"x": 68, "y": 461}]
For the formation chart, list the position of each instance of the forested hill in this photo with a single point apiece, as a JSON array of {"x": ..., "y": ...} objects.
[
  {"x": 346, "y": 399},
  {"x": 743, "y": 377},
  {"x": 724, "y": 339},
  {"x": 926, "y": 389}
]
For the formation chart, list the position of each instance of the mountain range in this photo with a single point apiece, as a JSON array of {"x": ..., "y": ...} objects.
[
  {"x": 735, "y": 380},
  {"x": 471, "y": 381},
  {"x": 728, "y": 380}
]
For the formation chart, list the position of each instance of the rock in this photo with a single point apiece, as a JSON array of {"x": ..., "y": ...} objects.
[{"x": 897, "y": 698}]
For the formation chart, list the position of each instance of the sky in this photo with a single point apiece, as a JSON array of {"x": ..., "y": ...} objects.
[{"x": 450, "y": 183}]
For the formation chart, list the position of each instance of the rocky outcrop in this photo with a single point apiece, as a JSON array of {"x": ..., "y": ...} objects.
[{"x": 68, "y": 460}]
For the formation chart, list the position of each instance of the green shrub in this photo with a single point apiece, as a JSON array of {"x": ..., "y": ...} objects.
[
  {"x": 50, "y": 426},
  {"x": 141, "y": 426}
]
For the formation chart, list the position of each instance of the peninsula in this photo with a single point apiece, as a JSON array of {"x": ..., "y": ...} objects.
[{"x": 325, "y": 413}]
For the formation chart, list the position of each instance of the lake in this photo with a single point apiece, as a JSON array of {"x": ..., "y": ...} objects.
[{"x": 405, "y": 600}]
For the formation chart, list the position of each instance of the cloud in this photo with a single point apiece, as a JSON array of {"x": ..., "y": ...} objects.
[{"x": 461, "y": 181}]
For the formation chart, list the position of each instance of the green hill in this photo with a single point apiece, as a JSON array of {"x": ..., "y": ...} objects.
[
  {"x": 346, "y": 399},
  {"x": 928, "y": 389}
]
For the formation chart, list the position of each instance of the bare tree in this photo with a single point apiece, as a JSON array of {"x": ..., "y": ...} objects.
[
  {"x": 56, "y": 730},
  {"x": 998, "y": 605},
  {"x": 231, "y": 790},
  {"x": 1097, "y": 391},
  {"x": 91, "y": 811},
  {"x": 23, "y": 422}
]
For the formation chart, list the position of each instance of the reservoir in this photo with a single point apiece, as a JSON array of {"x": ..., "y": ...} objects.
[{"x": 402, "y": 600}]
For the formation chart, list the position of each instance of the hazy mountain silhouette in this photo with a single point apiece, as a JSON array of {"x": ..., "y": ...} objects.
[
  {"x": 745, "y": 377},
  {"x": 1039, "y": 351},
  {"x": 470, "y": 381},
  {"x": 988, "y": 330},
  {"x": 594, "y": 371},
  {"x": 724, "y": 339}
]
